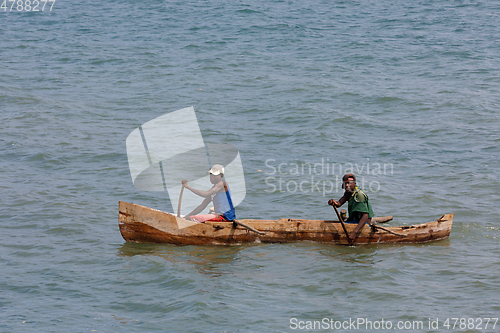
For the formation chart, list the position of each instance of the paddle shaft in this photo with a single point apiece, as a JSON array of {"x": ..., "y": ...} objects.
[
  {"x": 343, "y": 225},
  {"x": 385, "y": 229},
  {"x": 249, "y": 227},
  {"x": 179, "y": 204}
]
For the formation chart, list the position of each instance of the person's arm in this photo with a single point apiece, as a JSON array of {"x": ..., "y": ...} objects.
[
  {"x": 339, "y": 203},
  {"x": 216, "y": 188},
  {"x": 201, "y": 207},
  {"x": 364, "y": 218}
]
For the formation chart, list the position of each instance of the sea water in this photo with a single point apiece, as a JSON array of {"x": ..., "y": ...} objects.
[{"x": 403, "y": 94}]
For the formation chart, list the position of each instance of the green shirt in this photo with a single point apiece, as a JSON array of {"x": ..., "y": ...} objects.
[{"x": 357, "y": 205}]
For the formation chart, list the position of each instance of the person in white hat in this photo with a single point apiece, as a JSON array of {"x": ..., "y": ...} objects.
[{"x": 219, "y": 194}]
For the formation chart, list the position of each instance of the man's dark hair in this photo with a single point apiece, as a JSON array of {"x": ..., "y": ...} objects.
[{"x": 347, "y": 176}]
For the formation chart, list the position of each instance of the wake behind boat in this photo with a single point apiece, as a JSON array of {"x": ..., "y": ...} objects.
[{"x": 142, "y": 224}]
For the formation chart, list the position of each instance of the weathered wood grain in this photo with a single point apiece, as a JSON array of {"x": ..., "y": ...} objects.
[{"x": 147, "y": 225}]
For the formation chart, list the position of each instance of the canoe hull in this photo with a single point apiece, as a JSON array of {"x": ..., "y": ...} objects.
[{"x": 142, "y": 224}]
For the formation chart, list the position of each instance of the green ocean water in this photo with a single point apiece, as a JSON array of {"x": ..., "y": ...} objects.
[{"x": 405, "y": 95}]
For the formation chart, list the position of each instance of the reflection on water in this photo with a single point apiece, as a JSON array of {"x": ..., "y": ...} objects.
[
  {"x": 207, "y": 255},
  {"x": 206, "y": 259}
]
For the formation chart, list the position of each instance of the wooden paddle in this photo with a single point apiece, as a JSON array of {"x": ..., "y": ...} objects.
[
  {"x": 343, "y": 225},
  {"x": 179, "y": 204},
  {"x": 385, "y": 229},
  {"x": 249, "y": 227}
]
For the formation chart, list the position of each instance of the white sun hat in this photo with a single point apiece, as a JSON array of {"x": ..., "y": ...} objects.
[{"x": 217, "y": 169}]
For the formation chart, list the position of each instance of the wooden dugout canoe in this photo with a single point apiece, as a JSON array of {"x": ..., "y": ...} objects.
[{"x": 142, "y": 224}]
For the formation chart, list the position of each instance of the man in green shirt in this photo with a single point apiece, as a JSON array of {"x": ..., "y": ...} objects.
[{"x": 358, "y": 206}]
